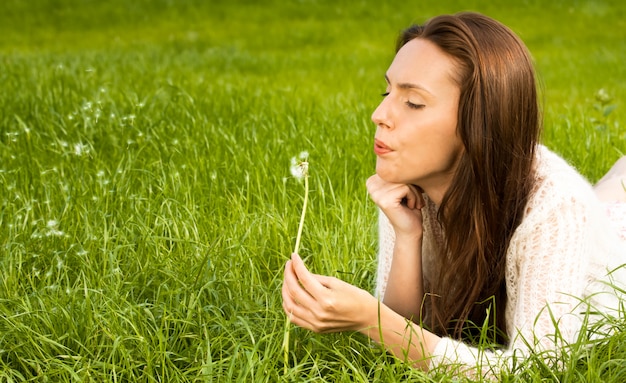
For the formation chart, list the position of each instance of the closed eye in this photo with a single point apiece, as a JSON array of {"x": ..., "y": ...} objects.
[
  {"x": 385, "y": 94},
  {"x": 414, "y": 106}
]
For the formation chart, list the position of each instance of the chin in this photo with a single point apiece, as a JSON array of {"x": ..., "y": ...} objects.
[{"x": 388, "y": 176}]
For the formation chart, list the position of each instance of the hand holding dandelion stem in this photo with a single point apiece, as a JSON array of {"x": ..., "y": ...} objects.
[{"x": 299, "y": 170}]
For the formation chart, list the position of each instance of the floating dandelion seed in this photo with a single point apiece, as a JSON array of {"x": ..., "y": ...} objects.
[
  {"x": 81, "y": 149},
  {"x": 52, "y": 227}
]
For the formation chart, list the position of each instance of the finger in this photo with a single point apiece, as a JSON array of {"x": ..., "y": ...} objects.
[
  {"x": 291, "y": 306},
  {"x": 415, "y": 197},
  {"x": 373, "y": 183},
  {"x": 328, "y": 282},
  {"x": 299, "y": 321},
  {"x": 306, "y": 278},
  {"x": 288, "y": 303},
  {"x": 410, "y": 197},
  {"x": 375, "y": 186},
  {"x": 295, "y": 289},
  {"x": 296, "y": 313},
  {"x": 287, "y": 282}
]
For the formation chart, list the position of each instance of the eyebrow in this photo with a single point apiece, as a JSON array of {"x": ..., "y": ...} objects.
[{"x": 408, "y": 85}]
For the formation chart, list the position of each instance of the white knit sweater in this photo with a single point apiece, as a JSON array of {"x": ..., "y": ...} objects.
[{"x": 556, "y": 259}]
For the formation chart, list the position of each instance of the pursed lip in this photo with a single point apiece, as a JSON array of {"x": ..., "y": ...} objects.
[{"x": 380, "y": 147}]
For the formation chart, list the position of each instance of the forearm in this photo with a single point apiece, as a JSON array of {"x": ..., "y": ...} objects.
[
  {"x": 401, "y": 337},
  {"x": 405, "y": 288}
]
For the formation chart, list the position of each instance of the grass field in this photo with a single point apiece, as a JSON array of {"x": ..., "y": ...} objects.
[{"x": 147, "y": 207}]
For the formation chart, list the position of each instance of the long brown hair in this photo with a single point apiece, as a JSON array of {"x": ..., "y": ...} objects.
[{"x": 499, "y": 124}]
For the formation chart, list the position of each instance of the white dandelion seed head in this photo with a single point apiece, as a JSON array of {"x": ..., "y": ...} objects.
[{"x": 299, "y": 166}]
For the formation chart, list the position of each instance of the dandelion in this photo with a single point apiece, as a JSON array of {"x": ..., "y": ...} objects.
[{"x": 300, "y": 170}]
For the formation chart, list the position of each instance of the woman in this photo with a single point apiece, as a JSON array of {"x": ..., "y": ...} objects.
[{"x": 478, "y": 221}]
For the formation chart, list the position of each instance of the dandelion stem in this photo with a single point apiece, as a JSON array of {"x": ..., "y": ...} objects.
[
  {"x": 304, "y": 204},
  {"x": 286, "y": 347},
  {"x": 304, "y": 166}
]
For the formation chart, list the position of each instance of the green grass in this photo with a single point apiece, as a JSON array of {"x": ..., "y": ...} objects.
[{"x": 147, "y": 207}]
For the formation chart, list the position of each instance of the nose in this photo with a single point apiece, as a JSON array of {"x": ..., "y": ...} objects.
[{"x": 381, "y": 115}]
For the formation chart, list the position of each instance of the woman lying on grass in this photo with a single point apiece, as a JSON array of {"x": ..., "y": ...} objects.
[{"x": 479, "y": 223}]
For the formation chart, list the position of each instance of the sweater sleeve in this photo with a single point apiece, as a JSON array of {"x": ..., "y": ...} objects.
[{"x": 386, "y": 241}]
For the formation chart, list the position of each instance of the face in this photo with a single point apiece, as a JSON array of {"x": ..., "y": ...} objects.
[{"x": 416, "y": 141}]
